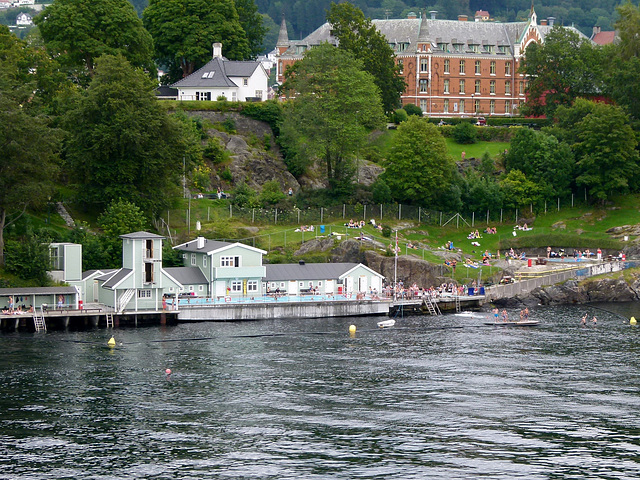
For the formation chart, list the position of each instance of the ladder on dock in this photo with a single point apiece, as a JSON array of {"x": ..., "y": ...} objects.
[
  {"x": 38, "y": 321},
  {"x": 432, "y": 307},
  {"x": 109, "y": 320},
  {"x": 457, "y": 303}
]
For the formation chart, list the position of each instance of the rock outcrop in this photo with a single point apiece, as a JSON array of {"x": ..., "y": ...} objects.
[
  {"x": 254, "y": 166},
  {"x": 410, "y": 269},
  {"x": 603, "y": 289}
]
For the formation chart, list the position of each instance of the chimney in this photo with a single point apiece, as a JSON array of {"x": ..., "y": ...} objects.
[
  {"x": 199, "y": 243},
  {"x": 411, "y": 15},
  {"x": 217, "y": 50},
  {"x": 433, "y": 14},
  {"x": 543, "y": 22},
  {"x": 551, "y": 20},
  {"x": 462, "y": 18},
  {"x": 596, "y": 30}
]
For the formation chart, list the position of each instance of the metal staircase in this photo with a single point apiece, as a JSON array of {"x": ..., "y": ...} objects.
[
  {"x": 431, "y": 306},
  {"x": 38, "y": 320},
  {"x": 124, "y": 299}
]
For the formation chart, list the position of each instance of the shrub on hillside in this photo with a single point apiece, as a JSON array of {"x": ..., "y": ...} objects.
[
  {"x": 465, "y": 133},
  {"x": 399, "y": 116}
]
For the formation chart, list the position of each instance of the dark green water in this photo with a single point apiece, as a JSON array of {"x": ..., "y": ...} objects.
[{"x": 301, "y": 399}]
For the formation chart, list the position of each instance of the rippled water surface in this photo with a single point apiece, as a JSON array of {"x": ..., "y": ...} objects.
[{"x": 431, "y": 398}]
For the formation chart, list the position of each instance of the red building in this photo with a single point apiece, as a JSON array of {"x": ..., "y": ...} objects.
[{"x": 451, "y": 67}]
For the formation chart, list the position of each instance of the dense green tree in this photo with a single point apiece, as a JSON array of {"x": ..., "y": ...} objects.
[
  {"x": 29, "y": 259},
  {"x": 481, "y": 192},
  {"x": 185, "y": 30},
  {"x": 336, "y": 104},
  {"x": 419, "y": 168},
  {"x": 519, "y": 191},
  {"x": 543, "y": 160},
  {"x": 122, "y": 142},
  {"x": 252, "y": 24},
  {"x": 356, "y": 34},
  {"x": 465, "y": 133},
  {"x": 122, "y": 217},
  {"x": 28, "y": 145},
  {"x": 606, "y": 152},
  {"x": 560, "y": 70},
  {"x": 629, "y": 27},
  {"x": 271, "y": 194},
  {"x": 77, "y": 32}
]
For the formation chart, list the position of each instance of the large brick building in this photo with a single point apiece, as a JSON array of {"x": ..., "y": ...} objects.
[{"x": 451, "y": 67}]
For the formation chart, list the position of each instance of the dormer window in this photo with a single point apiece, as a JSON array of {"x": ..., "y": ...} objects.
[
  {"x": 490, "y": 48},
  {"x": 208, "y": 74},
  {"x": 443, "y": 46},
  {"x": 403, "y": 46}
]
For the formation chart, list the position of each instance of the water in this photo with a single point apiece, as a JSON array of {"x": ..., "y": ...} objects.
[{"x": 301, "y": 399}]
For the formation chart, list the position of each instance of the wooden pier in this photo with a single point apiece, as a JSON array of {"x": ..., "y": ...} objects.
[
  {"x": 420, "y": 306},
  {"x": 83, "y": 319}
]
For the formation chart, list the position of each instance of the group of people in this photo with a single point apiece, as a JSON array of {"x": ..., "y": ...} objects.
[
  {"x": 474, "y": 235},
  {"x": 355, "y": 224},
  {"x": 305, "y": 228},
  {"x": 491, "y": 230},
  {"x": 13, "y": 308},
  {"x": 594, "y": 320}
]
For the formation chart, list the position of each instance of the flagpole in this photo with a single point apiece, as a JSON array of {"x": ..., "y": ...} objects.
[{"x": 395, "y": 271}]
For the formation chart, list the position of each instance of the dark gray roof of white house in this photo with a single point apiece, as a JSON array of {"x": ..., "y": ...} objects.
[
  {"x": 186, "y": 275},
  {"x": 217, "y": 73},
  {"x": 144, "y": 235},
  {"x": 115, "y": 278},
  {"x": 307, "y": 271},
  {"x": 209, "y": 246},
  {"x": 37, "y": 291}
]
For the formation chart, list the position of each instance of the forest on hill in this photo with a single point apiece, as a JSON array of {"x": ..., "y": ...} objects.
[{"x": 304, "y": 16}]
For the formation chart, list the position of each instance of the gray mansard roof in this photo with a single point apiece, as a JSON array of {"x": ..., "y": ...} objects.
[{"x": 414, "y": 31}]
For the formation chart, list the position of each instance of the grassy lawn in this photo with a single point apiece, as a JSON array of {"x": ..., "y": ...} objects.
[{"x": 475, "y": 150}]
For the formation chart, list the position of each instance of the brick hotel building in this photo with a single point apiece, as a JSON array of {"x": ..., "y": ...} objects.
[{"x": 451, "y": 67}]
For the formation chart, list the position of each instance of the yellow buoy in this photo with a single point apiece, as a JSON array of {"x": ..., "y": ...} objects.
[
  {"x": 111, "y": 343},
  {"x": 352, "y": 329},
  {"x": 632, "y": 321}
]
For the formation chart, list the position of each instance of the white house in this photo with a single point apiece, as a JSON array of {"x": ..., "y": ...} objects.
[
  {"x": 234, "y": 80},
  {"x": 24, "y": 19}
]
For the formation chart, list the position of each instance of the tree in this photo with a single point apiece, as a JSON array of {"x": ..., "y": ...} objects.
[
  {"x": 184, "y": 31},
  {"x": 122, "y": 217},
  {"x": 122, "y": 142},
  {"x": 335, "y": 105},
  {"x": 357, "y": 34},
  {"x": 543, "y": 160},
  {"x": 606, "y": 152},
  {"x": 28, "y": 145},
  {"x": 465, "y": 133},
  {"x": 629, "y": 27},
  {"x": 29, "y": 259},
  {"x": 77, "y": 32},
  {"x": 561, "y": 69},
  {"x": 418, "y": 168},
  {"x": 519, "y": 191},
  {"x": 252, "y": 24}
]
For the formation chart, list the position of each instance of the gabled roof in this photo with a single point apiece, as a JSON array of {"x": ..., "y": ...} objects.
[
  {"x": 212, "y": 246},
  {"x": 217, "y": 73},
  {"x": 139, "y": 235},
  {"x": 116, "y": 278},
  {"x": 604, "y": 38},
  {"x": 309, "y": 271},
  {"x": 186, "y": 275}
]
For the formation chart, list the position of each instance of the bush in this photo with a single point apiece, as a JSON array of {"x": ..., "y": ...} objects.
[
  {"x": 271, "y": 193},
  {"x": 226, "y": 175},
  {"x": 214, "y": 151},
  {"x": 412, "y": 109},
  {"x": 386, "y": 231},
  {"x": 399, "y": 116},
  {"x": 381, "y": 191},
  {"x": 229, "y": 125},
  {"x": 465, "y": 133},
  {"x": 244, "y": 196}
]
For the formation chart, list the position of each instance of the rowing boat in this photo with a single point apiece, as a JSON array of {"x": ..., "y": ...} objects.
[{"x": 387, "y": 323}]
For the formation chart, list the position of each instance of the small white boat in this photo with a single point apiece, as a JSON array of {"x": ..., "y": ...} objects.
[
  {"x": 465, "y": 314},
  {"x": 387, "y": 323}
]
